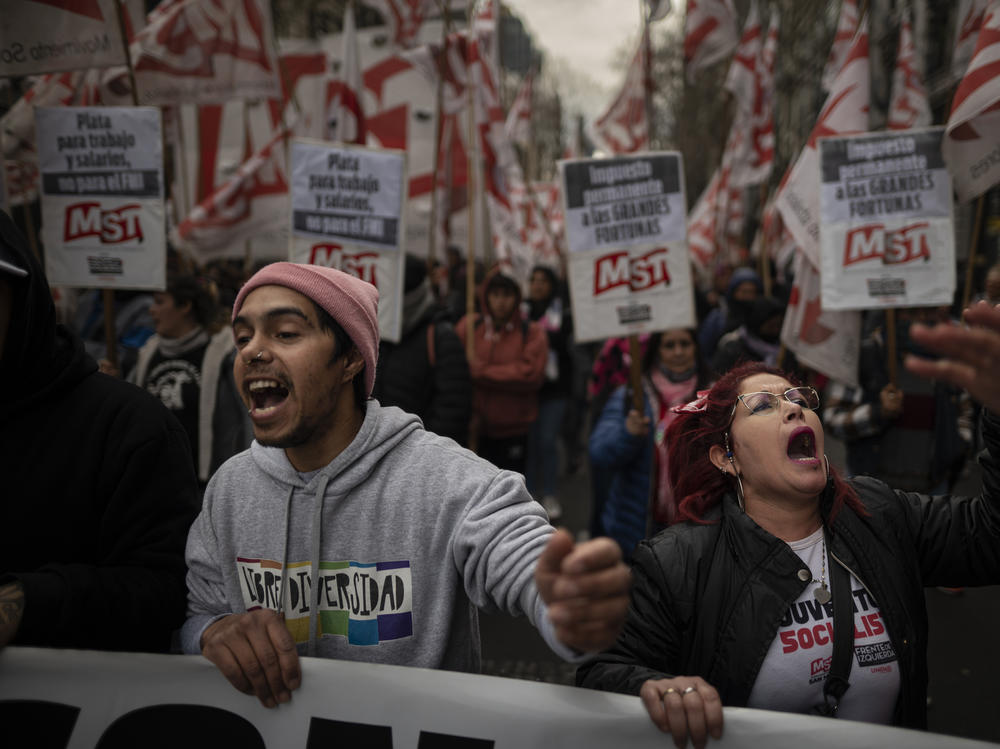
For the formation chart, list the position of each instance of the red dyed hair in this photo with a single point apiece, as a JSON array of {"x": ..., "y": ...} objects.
[{"x": 698, "y": 483}]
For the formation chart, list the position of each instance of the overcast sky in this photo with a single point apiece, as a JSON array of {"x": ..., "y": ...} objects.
[{"x": 581, "y": 39}]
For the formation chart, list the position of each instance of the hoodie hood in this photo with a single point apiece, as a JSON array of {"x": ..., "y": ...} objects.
[
  {"x": 741, "y": 275},
  {"x": 40, "y": 357}
]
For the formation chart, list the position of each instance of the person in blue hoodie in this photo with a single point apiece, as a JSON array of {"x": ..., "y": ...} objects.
[{"x": 348, "y": 531}]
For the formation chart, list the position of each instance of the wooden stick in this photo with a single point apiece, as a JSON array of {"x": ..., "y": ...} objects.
[
  {"x": 890, "y": 344},
  {"x": 635, "y": 372},
  {"x": 973, "y": 244}
]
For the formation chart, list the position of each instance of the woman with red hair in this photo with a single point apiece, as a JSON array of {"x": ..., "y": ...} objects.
[{"x": 786, "y": 587}]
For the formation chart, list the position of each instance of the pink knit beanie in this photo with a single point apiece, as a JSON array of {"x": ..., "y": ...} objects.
[{"x": 353, "y": 303}]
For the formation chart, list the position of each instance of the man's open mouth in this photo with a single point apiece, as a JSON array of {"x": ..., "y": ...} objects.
[
  {"x": 266, "y": 395},
  {"x": 802, "y": 445}
]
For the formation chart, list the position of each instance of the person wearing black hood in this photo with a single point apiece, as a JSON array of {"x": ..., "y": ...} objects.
[
  {"x": 744, "y": 286},
  {"x": 426, "y": 373},
  {"x": 99, "y": 487},
  {"x": 757, "y": 339}
]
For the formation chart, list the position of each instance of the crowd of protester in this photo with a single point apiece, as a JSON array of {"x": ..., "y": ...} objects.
[{"x": 707, "y": 473}]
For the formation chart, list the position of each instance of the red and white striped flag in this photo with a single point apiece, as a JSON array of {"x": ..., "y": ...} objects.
[
  {"x": 847, "y": 28},
  {"x": 908, "y": 107},
  {"x": 741, "y": 80},
  {"x": 702, "y": 219},
  {"x": 970, "y": 17},
  {"x": 844, "y": 113},
  {"x": 624, "y": 127},
  {"x": 762, "y": 123},
  {"x": 972, "y": 136},
  {"x": 206, "y": 51},
  {"x": 253, "y": 201},
  {"x": 829, "y": 342},
  {"x": 518, "y": 125},
  {"x": 346, "y": 118},
  {"x": 710, "y": 33}
]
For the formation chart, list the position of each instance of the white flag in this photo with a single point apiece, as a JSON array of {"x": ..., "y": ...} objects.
[
  {"x": 972, "y": 136},
  {"x": 847, "y": 27},
  {"x": 970, "y": 17},
  {"x": 908, "y": 107},
  {"x": 829, "y": 342},
  {"x": 624, "y": 128},
  {"x": 844, "y": 113},
  {"x": 346, "y": 119},
  {"x": 710, "y": 33},
  {"x": 518, "y": 126}
]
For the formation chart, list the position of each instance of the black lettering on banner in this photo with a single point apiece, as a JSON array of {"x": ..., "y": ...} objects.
[
  {"x": 325, "y": 733},
  {"x": 634, "y": 313},
  {"x": 40, "y": 724},
  {"x": 429, "y": 740},
  {"x": 886, "y": 287},
  {"x": 189, "y": 726},
  {"x": 875, "y": 654}
]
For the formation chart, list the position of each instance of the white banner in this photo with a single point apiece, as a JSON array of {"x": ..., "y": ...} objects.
[
  {"x": 102, "y": 196},
  {"x": 84, "y": 699},
  {"x": 626, "y": 228},
  {"x": 348, "y": 213},
  {"x": 887, "y": 234},
  {"x": 41, "y": 36}
]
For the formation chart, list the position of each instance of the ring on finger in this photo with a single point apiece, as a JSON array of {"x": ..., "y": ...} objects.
[
  {"x": 669, "y": 690},
  {"x": 689, "y": 690}
]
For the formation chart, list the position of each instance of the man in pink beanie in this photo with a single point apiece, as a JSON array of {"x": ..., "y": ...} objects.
[{"x": 349, "y": 531}]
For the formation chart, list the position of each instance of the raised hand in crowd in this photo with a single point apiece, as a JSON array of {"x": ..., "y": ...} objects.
[
  {"x": 636, "y": 423},
  {"x": 970, "y": 353},
  {"x": 891, "y": 401},
  {"x": 586, "y": 587}
]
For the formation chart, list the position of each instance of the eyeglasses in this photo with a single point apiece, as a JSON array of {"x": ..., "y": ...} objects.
[{"x": 764, "y": 402}]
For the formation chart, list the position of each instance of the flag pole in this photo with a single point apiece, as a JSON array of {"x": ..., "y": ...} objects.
[
  {"x": 764, "y": 259},
  {"x": 973, "y": 244},
  {"x": 108, "y": 295},
  {"x": 470, "y": 192},
  {"x": 439, "y": 133}
]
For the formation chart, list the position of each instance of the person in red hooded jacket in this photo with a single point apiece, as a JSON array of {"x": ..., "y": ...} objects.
[{"x": 507, "y": 369}]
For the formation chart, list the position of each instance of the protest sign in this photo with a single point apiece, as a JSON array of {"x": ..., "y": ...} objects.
[
  {"x": 84, "y": 699},
  {"x": 887, "y": 236},
  {"x": 626, "y": 229},
  {"x": 347, "y": 213},
  {"x": 102, "y": 196},
  {"x": 42, "y": 36}
]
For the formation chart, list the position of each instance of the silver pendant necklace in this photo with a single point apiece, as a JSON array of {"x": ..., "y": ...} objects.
[{"x": 822, "y": 593}]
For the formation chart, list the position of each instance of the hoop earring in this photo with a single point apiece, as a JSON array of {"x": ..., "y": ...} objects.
[
  {"x": 828, "y": 474},
  {"x": 739, "y": 493}
]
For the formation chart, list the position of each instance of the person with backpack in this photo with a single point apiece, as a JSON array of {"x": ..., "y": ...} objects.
[{"x": 508, "y": 369}]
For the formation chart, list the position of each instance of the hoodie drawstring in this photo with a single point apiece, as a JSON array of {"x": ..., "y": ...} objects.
[{"x": 317, "y": 533}]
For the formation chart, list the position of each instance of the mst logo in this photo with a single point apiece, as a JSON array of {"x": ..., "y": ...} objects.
[
  {"x": 361, "y": 264},
  {"x": 873, "y": 242},
  {"x": 109, "y": 226},
  {"x": 638, "y": 274}
]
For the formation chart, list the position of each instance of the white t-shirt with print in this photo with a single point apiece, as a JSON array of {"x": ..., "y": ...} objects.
[{"x": 794, "y": 670}]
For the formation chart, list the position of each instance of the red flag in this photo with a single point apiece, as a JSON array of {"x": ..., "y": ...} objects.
[
  {"x": 972, "y": 135},
  {"x": 623, "y": 128},
  {"x": 709, "y": 33},
  {"x": 847, "y": 28},
  {"x": 346, "y": 118},
  {"x": 845, "y": 112},
  {"x": 702, "y": 222},
  {"x": 908, "y": 107}
]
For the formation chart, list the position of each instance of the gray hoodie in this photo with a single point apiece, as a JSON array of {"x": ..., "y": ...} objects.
[{"x": 410, "y": 533}]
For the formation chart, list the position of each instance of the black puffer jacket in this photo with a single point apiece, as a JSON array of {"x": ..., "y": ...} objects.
[
  {"x": 440, "y": 395},
  {"x": 707, "y": 599}
]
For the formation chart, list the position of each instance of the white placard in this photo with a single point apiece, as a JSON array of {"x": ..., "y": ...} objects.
[
  {"x": 120, "y": 699},
  {"x": 53, "y": 35},
  {"x": 347, "y": 213},
  {"x": 626, "y": 228},
  {"x": 886, "y": 233},
  {"x": 102, "y": 196}
]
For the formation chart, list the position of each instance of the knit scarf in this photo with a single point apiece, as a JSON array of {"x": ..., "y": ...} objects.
[
  {"x": 174, "y": 347},
  {"x": 667, "y": 394}
]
